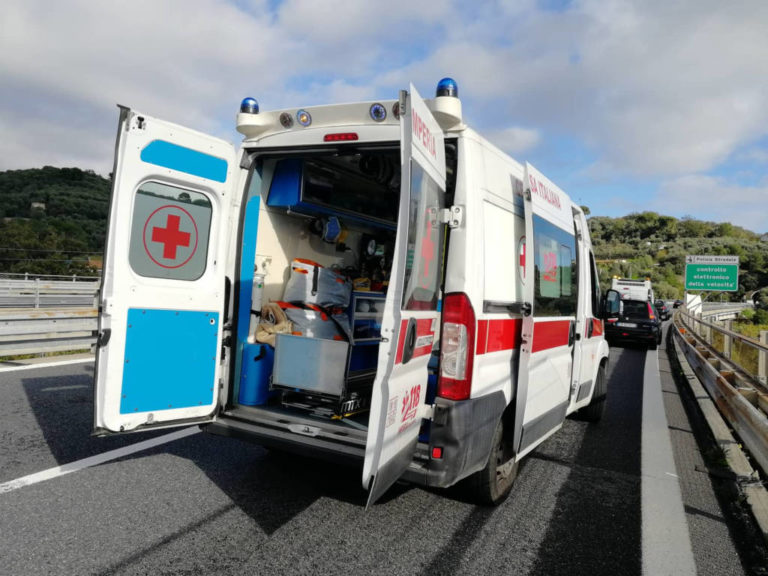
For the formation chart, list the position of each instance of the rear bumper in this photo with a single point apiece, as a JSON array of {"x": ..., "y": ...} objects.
[
  {"x": 641, "y": 335},
  {"x": 463, "y": 431}
]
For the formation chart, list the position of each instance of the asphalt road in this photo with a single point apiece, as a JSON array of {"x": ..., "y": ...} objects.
[{"x": 210, "y": 505}]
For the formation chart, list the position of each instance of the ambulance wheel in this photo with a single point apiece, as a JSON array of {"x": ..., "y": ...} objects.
[
  {"x": 492, "y": 484},
  {"x": 593, "y": 412}
]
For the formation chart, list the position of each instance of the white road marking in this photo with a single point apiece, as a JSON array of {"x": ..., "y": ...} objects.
[
  {"x": 11, "y": 368},
  {"x": 95, "y": 460},
  {"x": 60, "y": 388},
  {"x": 666, "y": 541}
]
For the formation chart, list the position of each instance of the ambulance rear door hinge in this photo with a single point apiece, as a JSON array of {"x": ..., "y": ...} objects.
[{"x": 452, "y": 216}]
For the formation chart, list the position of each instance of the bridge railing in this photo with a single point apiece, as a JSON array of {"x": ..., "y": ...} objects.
[
  {"x": 747, "y": 354},
  {"x": 738, "y": 389},
  {"x": 24, "y": 291},
  {"x": 45, "y": 330}
]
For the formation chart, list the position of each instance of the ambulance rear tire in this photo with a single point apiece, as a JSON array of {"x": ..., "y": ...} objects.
[
  {"x": 593, "y": 412},
  {"x": 492, "y": 484}
]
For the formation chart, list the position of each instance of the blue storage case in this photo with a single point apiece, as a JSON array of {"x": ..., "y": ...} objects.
[{"x": 258, "y": 360}]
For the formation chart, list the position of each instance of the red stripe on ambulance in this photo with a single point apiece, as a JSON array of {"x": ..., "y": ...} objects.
[
  {"x": 424, "y": 333},
  {"x": 498, "y": 335},
  {"x": 548, "y": 335},
  {"x": 597, "y": 327}
]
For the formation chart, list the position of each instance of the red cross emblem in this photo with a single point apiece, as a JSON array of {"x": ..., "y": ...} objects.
[{"x": 170, "y": 236}]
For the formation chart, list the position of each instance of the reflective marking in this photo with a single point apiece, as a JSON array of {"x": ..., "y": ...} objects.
[
  {"x": 95, "y": 460},
  {"x": 44, "y": 365},
  {"x": 59, "y": 388},
  {"x": 666, "y": 540}
]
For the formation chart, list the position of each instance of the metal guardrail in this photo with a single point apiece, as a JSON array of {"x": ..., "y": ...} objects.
[
  {"x": 748, "y": 355},
  {"x": 46, "y": 330},
  {"x": 18, "y": 292},
  {"x": 735, "y": 391}
]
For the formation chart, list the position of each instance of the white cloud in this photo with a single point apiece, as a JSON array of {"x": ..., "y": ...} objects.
[
  {"x": 649, "y": 89},
  {"x": 652, "y": 87},
  {"x": 514, "y": 140},
  {"x": 714, "y": 199}
]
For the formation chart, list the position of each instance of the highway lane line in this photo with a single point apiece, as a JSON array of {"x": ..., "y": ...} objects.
[
  {"x": 666, "y": 541},
  {"x": 95, "y": 460},
  {"x": 62, "y": 388},
  {"x": 4, "y": 369}
]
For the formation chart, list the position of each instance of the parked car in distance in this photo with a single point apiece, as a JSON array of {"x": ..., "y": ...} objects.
[
  {"x": 631, "y": 321},
  {"x": 677, "y": 304},
  {"x": 661, "y": 309}
]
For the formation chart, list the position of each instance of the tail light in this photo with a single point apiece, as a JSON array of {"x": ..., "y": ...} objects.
[
  {"x": 340, "y": 137},
  {"x": 457, "y": 346},
  {"x": 651, "y": 315}
]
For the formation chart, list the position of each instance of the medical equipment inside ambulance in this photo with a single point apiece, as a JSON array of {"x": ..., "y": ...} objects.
[{"x": 315, "y": 340}]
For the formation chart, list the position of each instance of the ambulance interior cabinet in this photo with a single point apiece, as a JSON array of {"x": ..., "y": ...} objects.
[
  {"x": 313, "y": 187},
  {"x": 366, "y": 310}
]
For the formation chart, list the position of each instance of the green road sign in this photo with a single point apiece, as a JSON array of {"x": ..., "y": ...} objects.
[{"x": 713, "y": 273}]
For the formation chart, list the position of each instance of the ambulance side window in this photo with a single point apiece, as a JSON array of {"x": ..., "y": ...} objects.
[
  {"x": 169, "y": 232},
  {"x": 595, "y": 283},
  {"x": 502, "y": 278},
  {"x": 423, "y": 267},
  {"x": 555, "y": 270}
]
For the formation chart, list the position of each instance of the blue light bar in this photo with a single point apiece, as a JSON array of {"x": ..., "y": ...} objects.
[
  {"x": 249, "y": 106},
  {"x": 447, "y": 87}
]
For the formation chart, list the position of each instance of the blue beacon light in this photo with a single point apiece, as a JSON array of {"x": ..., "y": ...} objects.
[
  {"x": 447, "y": 87},
  {"x": 249, "y": 106}
]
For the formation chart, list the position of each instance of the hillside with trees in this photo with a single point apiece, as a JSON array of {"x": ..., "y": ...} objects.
[
  {"x": 651, "y": 245},
  {"x": 52, "y": 220}
]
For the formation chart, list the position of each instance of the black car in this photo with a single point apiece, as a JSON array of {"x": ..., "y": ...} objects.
[
  {"x": 677, "y": 304},
  {"x": 661, "y": 309},
  {"x": 632, "y": 321}
]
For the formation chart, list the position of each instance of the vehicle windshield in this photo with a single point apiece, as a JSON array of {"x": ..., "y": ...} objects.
[{"x": 634, "y": 309}]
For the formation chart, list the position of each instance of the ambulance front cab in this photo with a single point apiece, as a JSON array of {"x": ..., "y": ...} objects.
[{"x": 372, "y": 282}]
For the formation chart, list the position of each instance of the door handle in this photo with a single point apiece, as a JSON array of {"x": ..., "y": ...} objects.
[
  {"x": 102, "y": 338},
  {"x": 410, "y": 340}
]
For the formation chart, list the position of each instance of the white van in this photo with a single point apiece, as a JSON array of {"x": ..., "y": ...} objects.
[
  {"x": 443, "y": 304},
  {"x": 631, "y": 289}
]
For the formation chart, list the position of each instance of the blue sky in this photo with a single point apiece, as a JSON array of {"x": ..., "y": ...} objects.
[{"x": 628, "y": 106}]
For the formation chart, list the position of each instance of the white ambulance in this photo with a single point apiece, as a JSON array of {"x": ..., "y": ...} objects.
[{"x": 372, "y": 282}]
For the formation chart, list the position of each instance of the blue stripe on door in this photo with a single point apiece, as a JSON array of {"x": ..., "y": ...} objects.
[{"x": 181, "y": 159}]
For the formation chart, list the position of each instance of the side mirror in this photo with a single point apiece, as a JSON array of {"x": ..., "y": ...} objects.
[{"x": 609, "y": 304}]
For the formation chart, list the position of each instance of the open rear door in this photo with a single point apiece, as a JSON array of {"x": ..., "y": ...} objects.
[
  {"x": 410, "y": 327},
  {"x": 162, "y": 295},
  {"x": 551, "y": 295}
]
